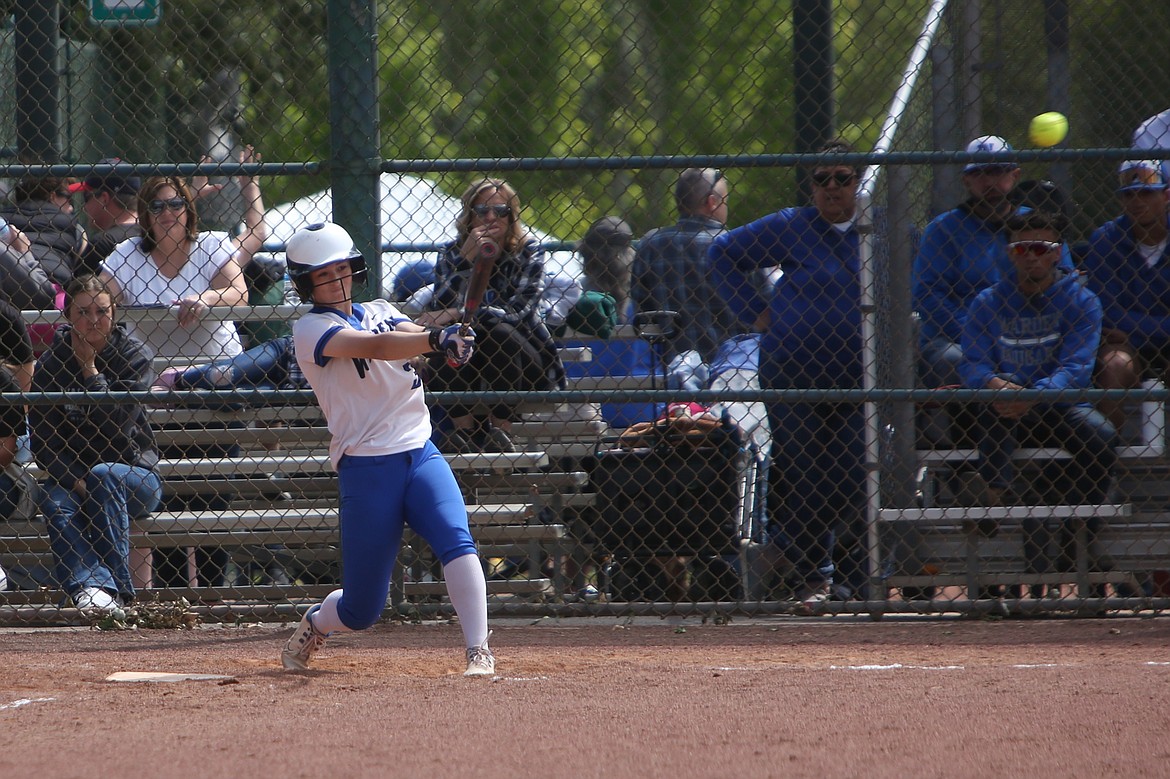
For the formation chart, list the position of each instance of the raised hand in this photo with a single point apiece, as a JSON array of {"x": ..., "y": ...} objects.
[{"x": 200, "y": 185}]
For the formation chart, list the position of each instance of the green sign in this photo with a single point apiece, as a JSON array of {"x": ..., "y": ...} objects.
[{"x": 124, "y": 13}]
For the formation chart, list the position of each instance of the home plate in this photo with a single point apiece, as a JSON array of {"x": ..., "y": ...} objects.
[{"x": 162, "y": 676}]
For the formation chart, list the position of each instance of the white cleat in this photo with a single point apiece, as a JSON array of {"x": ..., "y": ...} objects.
[
  {"x": 303, "y": 644},
  {"x": 480, "y": 660}
]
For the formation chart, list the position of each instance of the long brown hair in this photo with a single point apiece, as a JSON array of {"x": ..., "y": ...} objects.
[
  {"x": 149, "y": 192},
  {"x": 514, "y": 238}
]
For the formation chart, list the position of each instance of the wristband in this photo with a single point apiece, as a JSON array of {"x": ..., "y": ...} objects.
[{"x": 434, "y": 339}]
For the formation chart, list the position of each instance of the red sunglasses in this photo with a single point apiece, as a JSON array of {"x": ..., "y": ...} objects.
[{"x": 1033, "y": 248}]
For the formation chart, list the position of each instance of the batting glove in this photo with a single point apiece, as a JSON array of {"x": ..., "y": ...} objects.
[{"x": 455, "y": 341}]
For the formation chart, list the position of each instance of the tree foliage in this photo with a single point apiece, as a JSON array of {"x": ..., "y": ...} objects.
[{"x": 527, "y": 78}]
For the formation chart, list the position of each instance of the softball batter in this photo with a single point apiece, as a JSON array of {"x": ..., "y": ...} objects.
[{"x": 356, "y": 357}]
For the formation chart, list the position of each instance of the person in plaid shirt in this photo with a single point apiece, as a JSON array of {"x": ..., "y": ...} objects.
[{"x": 514, "y": 349}]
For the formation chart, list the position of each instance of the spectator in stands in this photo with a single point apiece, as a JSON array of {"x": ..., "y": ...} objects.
[
  {"x": 812, "y": 340},
  {"x": 607, "y": 261},
  {"x": 962, "y": 252},
  {"x": 1128, "y": 267},
  {"x": 100, "y": 458},
  {"x": 16, "y": 369},
  {"x": 414, "y": 286},
  {"x": 514, "y": 349},
  {"x": 670, "y": 273},
  {"x": 111, "y": 208},
  {"x": 389, "y": 473},
  {"x": 270, "y": 365},
  {"x": 42, "y": 209},
  {"x": 1038, "y": 329},
  {"x": 23, "y": 280},
  {"x": 16, "y": 351},
  {"x": 173, "y": 264}
]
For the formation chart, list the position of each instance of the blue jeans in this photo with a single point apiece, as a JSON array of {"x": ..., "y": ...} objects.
[
  {"x": 90, "y": 538},
  {"x": 1081, "y": 431},
  {"x": 265, "y": 365}
]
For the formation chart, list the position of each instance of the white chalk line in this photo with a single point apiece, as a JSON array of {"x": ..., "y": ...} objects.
[
  {"x": 912, "y": 667},
  {"x": 897, "y": 667},
  {"x": 24, "y": 702}
]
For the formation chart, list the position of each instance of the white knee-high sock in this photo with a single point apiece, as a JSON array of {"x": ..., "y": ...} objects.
[
  {"x": 468, "y": 592},
  {"x": 326, "y": 620}
]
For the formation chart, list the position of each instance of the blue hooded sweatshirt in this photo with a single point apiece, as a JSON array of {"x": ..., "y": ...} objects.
[
  {"x": 959, "y": 256},
  {"x": 1044, "y": 341}
]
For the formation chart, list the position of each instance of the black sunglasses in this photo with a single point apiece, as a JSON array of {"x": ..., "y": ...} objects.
[
  {"x": 499, "y": 209},
  {"x": 174, "y": 204},
  {"x": 1033, "y": 248},
  {"x": 822, "y": 178}
]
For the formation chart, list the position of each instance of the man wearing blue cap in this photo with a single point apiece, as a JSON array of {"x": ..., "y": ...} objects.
[
  {"x": 112, "y": 210},
  {"x": 964, "y": 251},
  {"x": 1128, "y": 269}
]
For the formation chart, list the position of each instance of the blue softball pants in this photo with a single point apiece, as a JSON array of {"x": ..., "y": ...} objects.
[{"x": 380, "y": 496}]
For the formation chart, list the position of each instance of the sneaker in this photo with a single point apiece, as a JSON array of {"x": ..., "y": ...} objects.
[
  {"x": 812, "y": 598},
  {"x": 480, "y": 660},
  {"x": 166, "y": 380},
  {"x": 305, "y": 641},
  {"x": 95, "y": 599}
]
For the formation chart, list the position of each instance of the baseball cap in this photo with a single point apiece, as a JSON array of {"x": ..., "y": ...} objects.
[
  {"x": 1135, "y": 175},
  {"x": 608, "y": 231},
  {"x": 990, "y": 144},
  {"x": 110, "y": 182}
]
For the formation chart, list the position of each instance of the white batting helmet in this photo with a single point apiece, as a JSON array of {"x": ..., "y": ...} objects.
[{"x": 315, "y": 247}]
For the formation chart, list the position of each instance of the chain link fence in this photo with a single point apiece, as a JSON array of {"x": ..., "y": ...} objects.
[{"x": 684, "y": 400}]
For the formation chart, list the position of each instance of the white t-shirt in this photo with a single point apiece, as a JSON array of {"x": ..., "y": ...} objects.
[
  {"x": 1151, "y": 254},
  {"x": 373, "y": 407},
  {"x": 143, "y": 285}
]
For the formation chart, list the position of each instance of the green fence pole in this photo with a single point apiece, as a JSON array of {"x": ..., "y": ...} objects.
[
  {"x": 353, "y": 115},
  {"x": 812, "y": 52},
  {"x": 36, "y": 82}
]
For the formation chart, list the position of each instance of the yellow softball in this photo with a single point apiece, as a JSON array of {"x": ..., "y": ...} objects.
[{"x": 1048, "y": 129}]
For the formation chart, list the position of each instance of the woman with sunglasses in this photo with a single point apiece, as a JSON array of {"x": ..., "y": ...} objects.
[
  {"x": 173, "y": 264},
  {"x": 811, "y": 339},
  {"x": 514, "y": 349}
]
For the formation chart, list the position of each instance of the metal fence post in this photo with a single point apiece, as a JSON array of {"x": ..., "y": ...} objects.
[{"x": 353, "y": 115}]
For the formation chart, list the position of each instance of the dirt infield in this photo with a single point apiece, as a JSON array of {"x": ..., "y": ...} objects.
[{"x": 601, "y": 698}]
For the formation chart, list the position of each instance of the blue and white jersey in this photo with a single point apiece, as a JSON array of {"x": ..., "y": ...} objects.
[{"x": 373, "y": 407}]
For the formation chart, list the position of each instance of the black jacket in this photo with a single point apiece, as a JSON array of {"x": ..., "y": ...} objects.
[
  {"x": 68, "y": 440},
  {"x": 56, "y": 237},
  {"x": 23, "y": 281}
]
